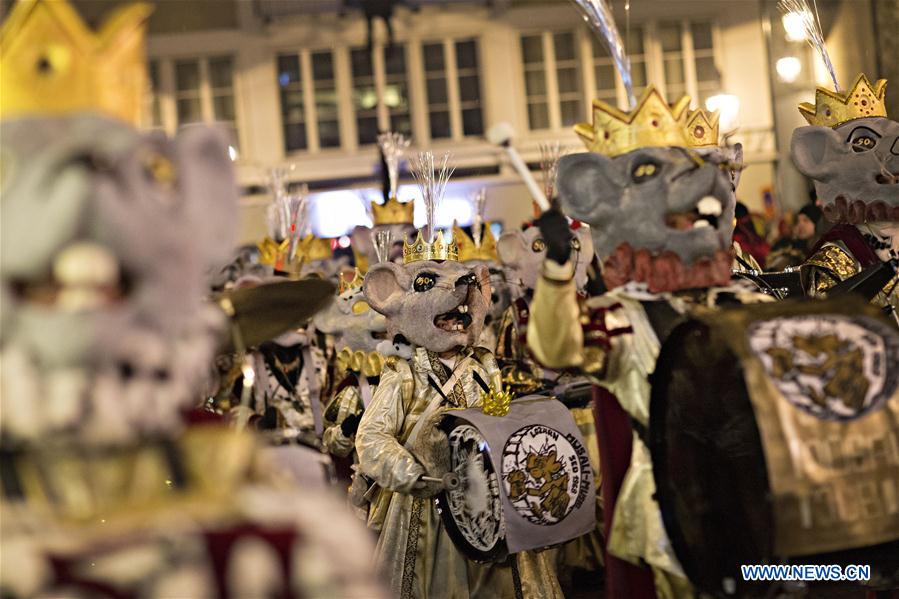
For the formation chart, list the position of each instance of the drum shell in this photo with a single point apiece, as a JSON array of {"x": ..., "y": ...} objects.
[{"x": 713, "y": 481}]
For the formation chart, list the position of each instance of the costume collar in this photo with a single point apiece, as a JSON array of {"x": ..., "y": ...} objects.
[{"x": 360, "y": 362}]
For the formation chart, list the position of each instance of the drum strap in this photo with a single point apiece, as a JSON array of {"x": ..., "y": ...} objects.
[
  {"x": 365, "y": 390},
  {"x": 447, "y": 389},
  {"x": 313, "y": 384}
]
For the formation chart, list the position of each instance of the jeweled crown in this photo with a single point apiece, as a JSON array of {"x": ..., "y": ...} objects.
[
  {"x": 438, "y": 249},
  {"x": 652, "y": 123},
  {"x": 52, "y": 63},
  {"x": 311, "y": 248},
  {"x": 393, "y": 212},
  {"x": 701, "y": 128},
  {"x": 344, "y": 285},
  {"x": 469, "y": 250},
  {"x": 832, "y": 109},
  {"x": 273, "y": 253}
]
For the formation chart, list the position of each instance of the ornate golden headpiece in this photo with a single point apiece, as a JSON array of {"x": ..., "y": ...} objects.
[
  {"x": 702, "y": 128},
  {"x": 311, "y": 248},
  {"x": 436, "y": 250},
  {"x": 653, "y": 123},
  {"x": 832, "y": 109},
  {"x": 52, "y": 63},
  {"x": 273, "y": 253},
  {"x": 393, "y": 212},
  {"x": 356, "y": 283},
  {"x": 469, "y": 250},
  {"x": 308, "y": 249}
]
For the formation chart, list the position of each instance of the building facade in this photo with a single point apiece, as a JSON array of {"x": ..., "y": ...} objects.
[{"x": 295, "y": 83}]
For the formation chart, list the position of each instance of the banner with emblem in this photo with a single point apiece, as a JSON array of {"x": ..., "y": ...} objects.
[
  {"x": 823, "y": 379},
  {"x": 538, "y": 485}
]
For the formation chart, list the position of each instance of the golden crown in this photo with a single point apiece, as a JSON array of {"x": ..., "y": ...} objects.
[
  {"x": 356, "y": 283},
  {"x": 52, "y": 63},
  {"x": 273, "y": 253},
  {"x": 469, "y": 250},
  {"x": 702, "y": 128},
  {"x": 393, "y": 212},
  {"x": 360, "y": 260},
  {"x": 652, "y": 123},
  {"x": 496, "y": 403},
  {"x": 311, "y": 248},
  {"x": 832, "y": 109},
  {"x": 436, "y": 250}
]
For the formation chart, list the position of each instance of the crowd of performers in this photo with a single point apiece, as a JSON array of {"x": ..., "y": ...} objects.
[{"x": 611, "y": 400}]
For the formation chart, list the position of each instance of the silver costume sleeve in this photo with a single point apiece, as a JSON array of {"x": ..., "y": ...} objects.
[{"x": 381, "y": 455}]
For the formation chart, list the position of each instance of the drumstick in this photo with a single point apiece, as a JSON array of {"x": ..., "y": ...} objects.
[{"x": 450, "y": 480}]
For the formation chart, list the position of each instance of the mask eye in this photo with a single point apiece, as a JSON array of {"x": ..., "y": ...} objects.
[
  {"x": 645, "y": 171},
  {"x": 575, "y": 244},
  {"x": 159, "y": 169},
  {"x": 863, "y": 139},
  {"x": 539, "y": 245},
  {"x": 424, "y": 281}
]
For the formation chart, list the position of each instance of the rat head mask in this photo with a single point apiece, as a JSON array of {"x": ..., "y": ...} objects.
[
  {"x": 851, "y": 151},
  {"x": 657, "y": 193},
  {"x": 523, "y": 251},
  {"x": 351, "y": 320},
  {"x": 107, "y": 234},
  {"x": 438, "y": 304}
]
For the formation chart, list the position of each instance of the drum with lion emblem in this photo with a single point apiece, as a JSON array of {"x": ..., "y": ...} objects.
[
  {"x": 774, "y": 432},
  {"x": 525, "y": 480}
]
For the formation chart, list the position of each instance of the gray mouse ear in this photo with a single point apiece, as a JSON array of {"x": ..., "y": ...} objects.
[
  {"x": 586, "y": 240},
  {"x": 814, "y": 150},
  {"x": 586, "y": 182},
  {"x": 328, "y": 320},
  {"x": 383, "y": 288},
  {"x": 510, "y": 247},
  {"x": 362, "y": 239},
  {"x": 735, "y": 155},
  {"x": 209, "y": 192}
]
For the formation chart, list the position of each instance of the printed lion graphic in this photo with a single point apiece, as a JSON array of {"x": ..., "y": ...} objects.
[
  {"x": 824, "y": 367},
  {"x": 544, "y": 476}
]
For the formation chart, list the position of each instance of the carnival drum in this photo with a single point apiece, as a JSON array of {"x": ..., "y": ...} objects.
[
  {"x": 774, "y": 432},
  {"x": 520, "y": 481}
]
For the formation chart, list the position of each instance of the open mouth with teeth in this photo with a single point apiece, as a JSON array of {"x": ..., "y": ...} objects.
[
  {"x": 458, "y": 319},
  {"x": 704, "y": 214},
  {"x": 84, "y": 276}
]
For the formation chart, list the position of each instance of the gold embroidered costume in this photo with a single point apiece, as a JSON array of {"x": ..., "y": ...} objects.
[
  {"x": 420, "y": 558},
  {"x": 611, "y": 339}
]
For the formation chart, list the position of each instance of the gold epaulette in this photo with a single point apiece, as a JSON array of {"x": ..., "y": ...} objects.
[
  {"x": 835, "y": 259},
  {"x": 365, "y": 363}
]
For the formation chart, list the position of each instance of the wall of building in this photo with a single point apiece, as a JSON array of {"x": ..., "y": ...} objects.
[{"x": 740, "y": 57}]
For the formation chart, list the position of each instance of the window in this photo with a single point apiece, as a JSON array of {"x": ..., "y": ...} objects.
[
  {"x": 293, "y": 116},
  {"x": 325, "y": 99},
  {"x": 708, "y": 79},
  {"x": 187, "y": 91},
  {"x": 396, "y": 90},
  {"x": 469, "y": 87},
  {"x": 202, "y": 90},
  {"x": 672, "y": 60},
  {"x": 568, "y": 79},
  {"x": 221, "y": 88},
  {"x": 679, "y": 55},
  {"x": 436, "y": 88},
  {"x": 605, "y": 74},
  {"x": 535, "y": 81},
  {"x": 365, "y": 96},
  {"x": 152, "y": 108},
  {"x": 463, "y": 100}
]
